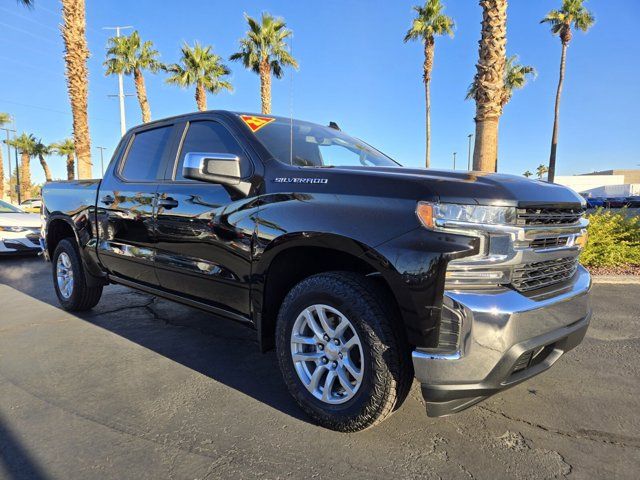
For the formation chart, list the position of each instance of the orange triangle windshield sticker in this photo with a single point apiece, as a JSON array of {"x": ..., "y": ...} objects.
[{"x": 256, "y": 123}]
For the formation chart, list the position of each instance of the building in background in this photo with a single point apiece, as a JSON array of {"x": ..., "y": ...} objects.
[{"x": 607, "y": 183}]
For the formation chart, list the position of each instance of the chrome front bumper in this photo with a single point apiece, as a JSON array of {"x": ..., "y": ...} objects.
[{"x": 498, "y": 330}]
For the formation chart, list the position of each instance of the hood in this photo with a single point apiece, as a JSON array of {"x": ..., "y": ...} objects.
[
  {"x": 28, "y": 220},
  {"x": 454, "y": 186}
]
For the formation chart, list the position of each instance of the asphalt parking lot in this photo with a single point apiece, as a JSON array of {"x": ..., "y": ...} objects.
[{"x": 143, "y": 388}]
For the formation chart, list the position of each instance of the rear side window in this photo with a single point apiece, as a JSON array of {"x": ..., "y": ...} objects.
[
  {"x": 144, "y": 159},
  {"x": 211, "y": 137}
]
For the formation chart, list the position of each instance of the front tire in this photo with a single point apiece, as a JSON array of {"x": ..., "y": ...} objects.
[
  {"x": 69, "y": 279},
  {"x": 340, "y": 352}
]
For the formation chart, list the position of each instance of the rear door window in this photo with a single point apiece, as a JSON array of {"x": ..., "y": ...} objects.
[{"x": 144, "y": 161}]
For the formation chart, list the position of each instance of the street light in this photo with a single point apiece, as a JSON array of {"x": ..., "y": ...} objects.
[
  {"x": 102, "y": 149},
  {"x": 469, "y": 156},
  {"x": 454, "y": 160}
]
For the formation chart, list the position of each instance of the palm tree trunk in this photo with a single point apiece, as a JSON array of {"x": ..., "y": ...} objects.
[
  {"x": 25, "y": 176},
  {"x": 429, "y": 50},
  {"x": 427, "y": 91},
  {"x": 201, "y": 97},
  {"x": 71, "y": 174},
  {"x": 489, "y": 82},
  {"x": 265, "y": 86},
  {"x": 76, "y": 54},
  {"x": 45, "y": 167},
  {"x": 141, "y": 90},
  {"x": 556, "y": 118},
  {"x": 1, "y": 175}
]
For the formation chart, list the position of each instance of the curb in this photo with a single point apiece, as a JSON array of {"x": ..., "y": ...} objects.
[{"x": 616, "y": 279}]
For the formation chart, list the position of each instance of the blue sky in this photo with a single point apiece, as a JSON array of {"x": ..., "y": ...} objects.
[{"x": 355, "y": 70}]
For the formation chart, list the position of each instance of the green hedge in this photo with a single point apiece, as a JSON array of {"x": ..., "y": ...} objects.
[{"x": 614, "y": 239}]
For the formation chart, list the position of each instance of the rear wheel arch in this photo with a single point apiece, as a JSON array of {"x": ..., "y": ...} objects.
[
  {"x": 60, "y": 228},
  {"x": 57, "y": 230}
]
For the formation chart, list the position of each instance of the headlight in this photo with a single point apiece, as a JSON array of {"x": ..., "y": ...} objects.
[
  {"x": 438, "y": 214},
  {"x": 12, "y": 229},
  {"x": 458, "y": 218}
]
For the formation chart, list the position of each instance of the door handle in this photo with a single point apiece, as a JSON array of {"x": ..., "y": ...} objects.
[
  {"x": 107, "y": 200},
  {"x": 167, "y": 203}
]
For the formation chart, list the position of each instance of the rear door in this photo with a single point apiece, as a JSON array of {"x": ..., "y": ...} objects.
[
  {"x": 126, "y": 204},
  {"x": 204, "y": 230}
]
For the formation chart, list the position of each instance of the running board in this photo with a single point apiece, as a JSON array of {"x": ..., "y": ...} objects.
[{"x": 185, "y": 301}]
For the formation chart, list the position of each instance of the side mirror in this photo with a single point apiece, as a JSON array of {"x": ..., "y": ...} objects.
[{"x": 222, "y": 168}]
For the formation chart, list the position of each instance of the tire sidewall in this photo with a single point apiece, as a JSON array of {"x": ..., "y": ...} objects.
[{"x": 65, "y": 246}]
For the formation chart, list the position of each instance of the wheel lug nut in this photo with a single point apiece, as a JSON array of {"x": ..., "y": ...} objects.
[
  {"x": 336, "y": 342},
  {"x": 340, "y": 355},
  {"x": 326, "y": 337},
  {"x": 320, "y": 346},
  {"x": 335, "y": 364},
  {"x": 324, "y": 360}
]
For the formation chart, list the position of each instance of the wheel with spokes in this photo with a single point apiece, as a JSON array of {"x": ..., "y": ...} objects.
[
  {"x": 339, "y": 353},
  {"x": 69, "y": 280}
]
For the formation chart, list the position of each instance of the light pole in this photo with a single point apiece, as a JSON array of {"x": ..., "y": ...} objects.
[
  {"x": 102, "y": 149},
  {"x": 7, "y": 130},
  {"x": 469, "y": 156},
  {"x": 121, "y": 94},
  {"x": 454, "y": 160}
]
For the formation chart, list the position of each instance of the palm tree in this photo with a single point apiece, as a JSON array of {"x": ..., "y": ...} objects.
[
  {"x": 527, "y": 174},
  {"x": 76, "y": 54},
  {"x": 515, "y": 77},
  {"x": 201, "y": 67},
  {"x": 40, "y": 150},
  {"x": 4, "y": 119},
  {"x": 572, "y": 14},
  {"x": 130, "y": 55},
  {"x": 541, "y": 171},
  {"x": 26, "y": 146},
  {"x": 489, "y": 81},
  {"x": 67, "y": 148},
  {"x": 264, "y": 51},
  {"x": 429, "y": 22}
]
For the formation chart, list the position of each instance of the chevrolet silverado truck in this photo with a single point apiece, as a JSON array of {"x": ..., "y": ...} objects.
[{"x": 362, "y": 274}]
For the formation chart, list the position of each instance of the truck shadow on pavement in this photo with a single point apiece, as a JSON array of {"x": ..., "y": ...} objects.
[
  {"x": 220, "y": 349},
  {"x": 15, "y": 460}
]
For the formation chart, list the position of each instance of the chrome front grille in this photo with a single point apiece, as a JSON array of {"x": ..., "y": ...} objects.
[
  {"x": 549, "y": 216},
  {"x": 531, "y": 276},
  {"x": 549, "y": 242}
]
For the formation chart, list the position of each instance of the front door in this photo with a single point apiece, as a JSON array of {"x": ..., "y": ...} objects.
[
  {"x": 126, "y": 205},
  {"x": 204, "y": 230}
]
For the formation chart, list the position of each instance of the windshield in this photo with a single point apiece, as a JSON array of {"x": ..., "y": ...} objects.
[
  {"x": 8, "y": 208},
  {"x": 318, "y": 146}
]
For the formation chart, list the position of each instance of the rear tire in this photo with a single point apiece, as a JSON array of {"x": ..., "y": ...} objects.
[
  {"x": 370, "y": 379},
  {"x": 69, "y": 279}
]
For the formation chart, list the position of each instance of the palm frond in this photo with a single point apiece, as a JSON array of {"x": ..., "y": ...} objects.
[
  {"x": 430, "y": 22},
  {"x": 127, "y": 54},
  {"x": 572, "y": 13},
  {"x": 265, "y": 41},
  {"x": 199, "y": 65}
]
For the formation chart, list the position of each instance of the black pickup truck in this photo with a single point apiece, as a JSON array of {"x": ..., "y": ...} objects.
[{"x": 361, "y": 274}]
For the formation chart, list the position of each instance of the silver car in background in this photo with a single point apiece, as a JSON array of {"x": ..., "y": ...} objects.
[{"x": 19, "y": 231}]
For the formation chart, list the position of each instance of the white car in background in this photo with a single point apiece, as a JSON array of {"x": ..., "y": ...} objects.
[{"x": 19, "y": 231}]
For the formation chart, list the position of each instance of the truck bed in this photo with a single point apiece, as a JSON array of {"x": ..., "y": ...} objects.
[{"x": 70, "y": 197}]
